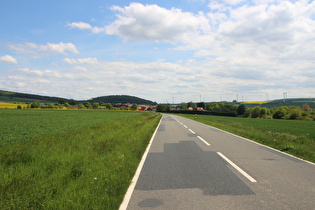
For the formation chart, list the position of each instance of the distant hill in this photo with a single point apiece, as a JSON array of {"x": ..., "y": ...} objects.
[
  {"x": 113, "y": 99},
  {"x": 9, "y": 96},
  {"x": 287, "y": 102}
]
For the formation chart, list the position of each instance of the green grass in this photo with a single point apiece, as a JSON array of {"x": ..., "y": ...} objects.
[
  {"x": 295, "y": 137},
  {"x": 82, "y": 159},
  {"x": 23, "y": 125}
]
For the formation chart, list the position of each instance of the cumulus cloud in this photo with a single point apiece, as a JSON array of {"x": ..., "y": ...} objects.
[
  {"x": 8, "y": 59},
  {"x": 49, "y": 48},
  {"x": 45, "y": 73},
  {"x": 86, "y": 26},
  {"x": 80, "y": 68},
  {"x": 151, "y": 22},
  {"x": 81, "y": 60}
]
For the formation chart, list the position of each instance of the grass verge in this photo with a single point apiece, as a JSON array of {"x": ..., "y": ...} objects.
[
  {"x": 89, "y": 167},
  {"x": 291, "y": 136}
]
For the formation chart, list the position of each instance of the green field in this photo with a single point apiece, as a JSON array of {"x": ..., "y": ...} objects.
[
  {"x": 295, "y": 137},
  {"x": 70, "y": 159}
]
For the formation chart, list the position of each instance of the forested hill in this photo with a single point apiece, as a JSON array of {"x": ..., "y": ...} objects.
[
  {"x": 113, "y": 99},
  {"x": 8, "y": 96}
]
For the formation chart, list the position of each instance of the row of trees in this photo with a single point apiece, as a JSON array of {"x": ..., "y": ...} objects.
[
  {"x": 85, "y": 105},
  {"x": 283, "y": 112}
]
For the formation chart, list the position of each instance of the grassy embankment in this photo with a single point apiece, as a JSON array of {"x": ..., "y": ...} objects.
[
  {"x": 70, "y": 159},
  {"x": 295, "y": 137}
]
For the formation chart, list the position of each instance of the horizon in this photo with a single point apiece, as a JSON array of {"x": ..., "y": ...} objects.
[
  {"x": 170, "y": 103},
  {"x": 188, "y": 50}
]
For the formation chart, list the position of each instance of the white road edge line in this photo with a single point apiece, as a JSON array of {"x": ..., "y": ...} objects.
[
  {"x": 203, "y": 141},
  {"x": 191, "y": 131},
  {"x": 124, "y": 204},
  {"x": 237, "y": 168}
]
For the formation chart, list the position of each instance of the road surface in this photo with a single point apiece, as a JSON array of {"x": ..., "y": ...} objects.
[{"x": 193, "y": 166}]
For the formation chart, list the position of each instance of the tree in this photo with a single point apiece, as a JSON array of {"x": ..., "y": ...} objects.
[
  {"x": 81, "y": 106},
  {"x": 134, "y": 107},
  {"x": 183, "y": 106},
  {"x": 306, "y": 108},
  {"x": 95, "y": 105},
  {"x": 67, "y": 104},
  {"x": 279, "y": 114},
  {"x": 295, "y": 114},
  {"x": 87, "y": 105},
  {"x": 19, "y": 107},
  {"x": 109, "y": 106},
  {"x": 201, "y": 104},
  {"x": 241, "y": 109},
  {"x": 163, "y": 107},
  {"x": 50, "y": 106},
  {"x": 35, "y": 104},
  {"x": 263, "y": 112},
  {"x": 256, "y": 112}
]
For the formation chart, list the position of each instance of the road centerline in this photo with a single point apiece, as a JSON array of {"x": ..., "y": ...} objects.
[
  {"x": 237, "y": 168},
  {"x": 204, "y": 141},
  {"x": 191, "y": 131}
]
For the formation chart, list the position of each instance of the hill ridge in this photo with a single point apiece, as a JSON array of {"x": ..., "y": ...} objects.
[{"x": 11, "y": 96}]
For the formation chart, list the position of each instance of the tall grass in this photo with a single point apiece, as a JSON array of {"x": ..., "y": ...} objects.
[
  {"x": 291, "y": 136},
  {"x": 89, "y": 167}
]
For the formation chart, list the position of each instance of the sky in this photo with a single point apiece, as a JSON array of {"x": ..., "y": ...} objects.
[{"x": 165, "y": 51}]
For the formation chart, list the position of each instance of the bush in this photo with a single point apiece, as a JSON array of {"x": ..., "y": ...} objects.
[
  {"x": 256, "y": 112},
  {"x": 263, "y": 112},
  {"x": 295, "y": 114},
  {"x": 95, "y": 105},
  {"x": 81, "y": 106},
  {"x": 305, "y": 114},
  {"x": 88, "y": 105},
  {"x": 241, "y": 109},
  {"x": 279, "y": 114},
  {"x": 35, "y": 104},
  {"x": 247, "y": 113}
]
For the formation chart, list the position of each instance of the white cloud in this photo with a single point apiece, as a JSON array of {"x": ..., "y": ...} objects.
[
  {"x": 82, "y": 26},
  {"x": 8, "y": 59},
  {"x": 233, "y": 2},
  {"x": 81, "y": 60},
  {"x": 80, "y": 68},
  {"x": 151, "y": 22},
  {"x": 45, "y": 73},
  {"x": 49, "y": 48}
]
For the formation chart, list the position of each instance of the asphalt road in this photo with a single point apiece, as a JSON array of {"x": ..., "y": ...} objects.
[{"x": 193, "y": 166}]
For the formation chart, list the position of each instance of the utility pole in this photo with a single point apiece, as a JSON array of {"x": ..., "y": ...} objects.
[{"x": 285, "y": 96}]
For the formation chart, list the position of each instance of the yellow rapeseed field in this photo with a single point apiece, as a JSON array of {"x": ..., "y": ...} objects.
[
  {"x": 255, "y": 102},
  {"x": 4, "y": 105}
]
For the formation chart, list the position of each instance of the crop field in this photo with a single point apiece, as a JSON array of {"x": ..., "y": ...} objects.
[
  {"x": 4, "y": 105},
  {"x": 70, "y": 159},
  {"x": 295, "y": 137}
]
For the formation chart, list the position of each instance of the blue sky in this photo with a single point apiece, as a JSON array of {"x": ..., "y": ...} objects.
[{"x": 159, "y": 50}]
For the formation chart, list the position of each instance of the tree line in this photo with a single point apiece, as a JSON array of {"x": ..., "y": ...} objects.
[
  {"x": 85, "y": 105},
  {"x": 222, "y": 109}
]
